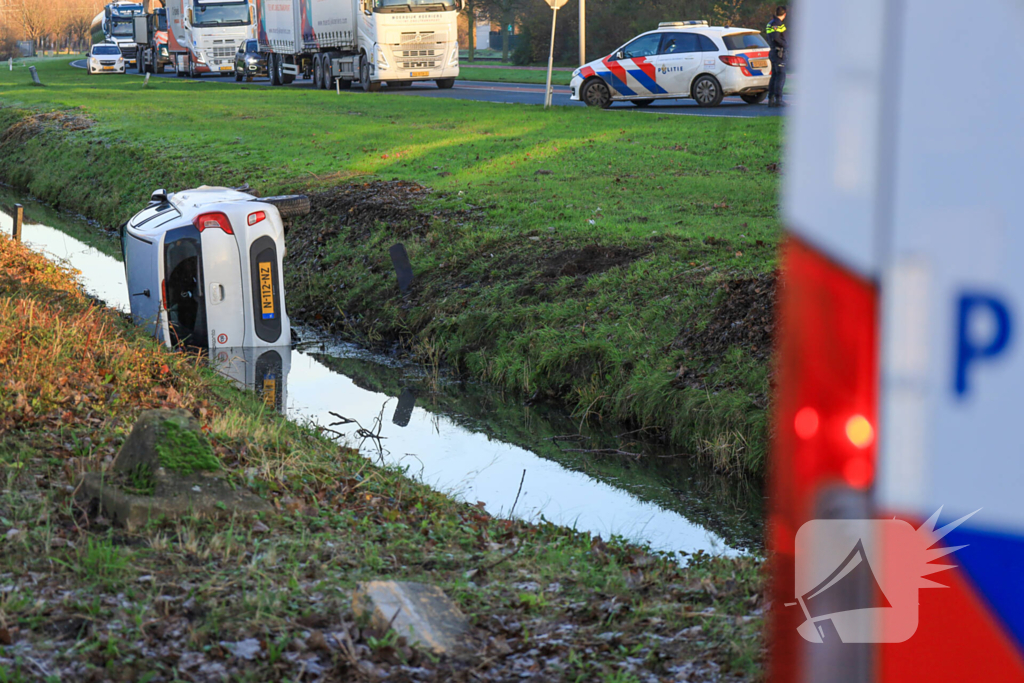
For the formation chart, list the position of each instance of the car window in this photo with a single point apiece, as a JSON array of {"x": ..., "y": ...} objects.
[
  {"x": 644, "y": 46},
  {"x": 707, "y": 45},
  {"x": 183, "y": 287},
  {"x": 251, "y": 46},
  {"x": 106, "y": 50},
  {"x": 744, "y": 41},
  {"x": 678, "y": 43}
]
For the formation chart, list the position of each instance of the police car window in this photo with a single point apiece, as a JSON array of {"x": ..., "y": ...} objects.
[
  {"x": 644, "y": 46},
  {"x": 678, "y": 43},
  {"x": 707, "y": 45},
  {"x": 744, "y": 41}
]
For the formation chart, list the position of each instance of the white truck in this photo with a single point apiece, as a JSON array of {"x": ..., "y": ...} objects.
[
  {"x": 204, "y": 34},
  {"x": 366, "y": 41},
  {"x": 115, "y": 25}
]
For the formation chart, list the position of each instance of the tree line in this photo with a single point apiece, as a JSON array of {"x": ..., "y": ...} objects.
[
  {"x": 610, "y": 23},
  {"x": 50, "y": 24}
]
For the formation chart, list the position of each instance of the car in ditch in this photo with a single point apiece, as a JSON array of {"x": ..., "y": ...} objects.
[
  {"x": 679, "y": 60},
  {"x": 204, "y": 267}
]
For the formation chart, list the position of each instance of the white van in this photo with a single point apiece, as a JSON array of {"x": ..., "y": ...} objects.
[{"x": 204, "y": 267}]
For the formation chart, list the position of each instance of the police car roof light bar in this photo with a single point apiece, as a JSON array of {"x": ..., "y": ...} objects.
[{"x": 674, "y": 24}]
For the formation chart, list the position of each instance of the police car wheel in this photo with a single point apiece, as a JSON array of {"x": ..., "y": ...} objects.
[
  {"x": 707, "y": 92},
  {"x": 642, "y": 103},
  {"x": 596, "y": 94}
]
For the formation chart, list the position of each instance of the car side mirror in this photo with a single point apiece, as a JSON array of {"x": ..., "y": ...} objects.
[
  {"x": 620, "y": 55},
  {"x": 159, "y": 196}
]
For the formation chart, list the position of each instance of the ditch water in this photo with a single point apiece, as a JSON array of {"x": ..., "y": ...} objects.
[{"x": 465, "y": 438}]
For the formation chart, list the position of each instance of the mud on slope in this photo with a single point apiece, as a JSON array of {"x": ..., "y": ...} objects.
[{"x": 744, "y": 317}]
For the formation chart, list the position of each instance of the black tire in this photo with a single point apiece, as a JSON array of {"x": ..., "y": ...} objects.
[
  {"x": 757, "y": 98},
  {"x": 642, "y": 103},
  {"x": 364, "y": 77},
  {"x": 238, "y": 75},
  {"x": 289, "y": 205},
  {"x": 318, "y": 72},
  {"x": 707, "y": 91},
  {"x": 140, "y": 65},
  {"x": 282, "y": 77},
  {"x": 444, "y": 83},
  {"x": 272, "y": 69},
  {"x": 596, "y": 93},
  {"x": 326, "y": 79}
]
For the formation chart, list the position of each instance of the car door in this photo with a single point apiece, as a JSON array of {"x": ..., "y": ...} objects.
[
  {"x": 631, "y": 73},
  {"x": 679, "y": 62}
]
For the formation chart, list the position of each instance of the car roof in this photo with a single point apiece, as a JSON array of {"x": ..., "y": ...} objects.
[{"x": 705, "y": 30}]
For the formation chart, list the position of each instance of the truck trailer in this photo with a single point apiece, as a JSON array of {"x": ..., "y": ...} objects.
[
  {"x": 151, "y": 38},
  {"x": 369, "y": 42},
  {"x": 204, "y": 34},
  {"x": 115, "y": 25}
]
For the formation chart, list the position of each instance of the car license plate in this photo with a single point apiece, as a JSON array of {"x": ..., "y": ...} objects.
[
  {"x": 267, "y": 290},
  {"x": 759, "y": 63},
  {"x": 108, "y": 68},
  {"x": 269, "y": 391},
  {"x": 225, "y": 68},
  {"x": 419, "y": 74}
]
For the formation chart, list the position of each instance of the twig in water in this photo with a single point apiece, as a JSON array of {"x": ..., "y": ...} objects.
[{"x": 512, "y": 511}]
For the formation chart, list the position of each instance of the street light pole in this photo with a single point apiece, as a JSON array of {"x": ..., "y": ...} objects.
[
  {"x": 555, "y": 5},
  {"x": 583, "y": 32}
]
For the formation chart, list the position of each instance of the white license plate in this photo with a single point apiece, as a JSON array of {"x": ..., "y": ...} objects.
[
  {"x": 759, "y": 63},
  {"x": 419, "y": 74}
]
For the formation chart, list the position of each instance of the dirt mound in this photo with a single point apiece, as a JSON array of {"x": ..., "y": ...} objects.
[
  {"x": 356, "y": 209},
  {"x": 31, "y": 126},
  {"x": 589, "y": 260},
  {"x": 744, "y": 317}
]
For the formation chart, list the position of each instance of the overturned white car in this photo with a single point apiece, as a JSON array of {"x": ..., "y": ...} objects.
[{"x": 204, "y": 267}]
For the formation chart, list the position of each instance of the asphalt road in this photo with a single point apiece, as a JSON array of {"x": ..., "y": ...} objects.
[{"x": 517, "y": 93}]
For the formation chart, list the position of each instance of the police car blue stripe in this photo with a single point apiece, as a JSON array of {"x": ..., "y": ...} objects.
[
  {"x": 648, "y": 82},
  {"x": 617, "y": 85}
]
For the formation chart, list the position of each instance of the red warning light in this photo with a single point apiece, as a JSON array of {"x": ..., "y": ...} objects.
[{"x": 806, "y": 423}]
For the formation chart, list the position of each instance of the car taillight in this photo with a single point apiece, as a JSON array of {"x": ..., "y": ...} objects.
[
  {"x": 255, "y": 218},
  {"x": 163, "y": 292},
  {"x": 733, "y": 60},
  {"x": 208, "y": 221},
  {"x": 826, "y": 406}
]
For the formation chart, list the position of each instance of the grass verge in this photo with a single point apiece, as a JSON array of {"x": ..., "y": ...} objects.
[
  {"x": 592, "y": 257},
  {"x": 532, "y": 76},
  {"x": 268, "y": 599}
]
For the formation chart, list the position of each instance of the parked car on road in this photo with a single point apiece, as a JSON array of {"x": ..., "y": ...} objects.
[
  {"x": 249, "y": 62},
  {"x": 682, "y": 59},
  {"x": 105, "y": 58},
  {"x": 204, "y": 267}
]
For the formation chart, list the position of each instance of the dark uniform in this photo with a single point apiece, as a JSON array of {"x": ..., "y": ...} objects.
[{"x": 777, "y": 40}]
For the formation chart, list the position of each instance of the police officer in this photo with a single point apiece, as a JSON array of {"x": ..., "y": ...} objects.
[{"x": 777, "y": 40}]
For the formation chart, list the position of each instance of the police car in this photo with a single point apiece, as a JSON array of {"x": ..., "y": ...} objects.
[
  {"x": 204, "y": 267},
  {"x": 682, "y": 59}
]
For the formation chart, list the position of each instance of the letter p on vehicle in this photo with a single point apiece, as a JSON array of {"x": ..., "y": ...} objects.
[{"x": 984, "y": 330}]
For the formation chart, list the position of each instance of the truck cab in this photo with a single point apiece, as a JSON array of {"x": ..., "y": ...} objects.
[
  {"x": 203, "y": 35},
  {"x": 204, "y": 270}
]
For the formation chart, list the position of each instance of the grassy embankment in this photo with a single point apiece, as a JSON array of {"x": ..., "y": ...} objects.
[
  {"x": 269, "y": 599},
  {"x": 601, "y": 258},
  {"x": 533, "y": 76}
]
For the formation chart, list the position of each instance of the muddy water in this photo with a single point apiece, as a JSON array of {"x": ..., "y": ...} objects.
[{"x": 461, "y": 437}]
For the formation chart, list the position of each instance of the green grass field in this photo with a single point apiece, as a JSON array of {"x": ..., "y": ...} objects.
[
  {"x": 470, "y": 73},
  {"x": 567, "y": 253}
]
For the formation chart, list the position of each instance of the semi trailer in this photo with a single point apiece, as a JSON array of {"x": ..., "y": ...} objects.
[
  {"x": 151, "y": 39},
  {"x": 370, "y": 42},
  {"x": 203, "y": 35},
  {"x": 115, "y": 25}
]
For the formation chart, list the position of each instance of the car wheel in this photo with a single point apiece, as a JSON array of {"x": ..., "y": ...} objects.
[
  {"x": 595, "y": 93},
  {"x": 757, "y": 98},
  {"x": 364, "y": 77},
  {"x": 318, "y": 72},
  {"x": 289, "y": 205},
  {"x": 444, "y": 83},
  {"x": 642, "y": 103},
  {"x": 707, "y": 92},
  {"x": 238, "y": 75}
]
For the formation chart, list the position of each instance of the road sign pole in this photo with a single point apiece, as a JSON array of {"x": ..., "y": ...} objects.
[
  {"x": 551, "y": 58},
  {"x": 583, "y": 32}
]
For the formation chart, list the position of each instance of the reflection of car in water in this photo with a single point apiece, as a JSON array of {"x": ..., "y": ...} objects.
[
  {"x": 204, "y": 267},
  {"x": 263, "y": 371}
]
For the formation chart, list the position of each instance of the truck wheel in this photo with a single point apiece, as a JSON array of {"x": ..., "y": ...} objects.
[
  {"x": 140, "y": 65},
  {"x": 289, "y": 205},
  {"x": 595, "y": 93},
  {"x": 272, "y": 67},
  {"x": 364, "y": 77},
  {"x": 318, "y": 72},
  {"x": 445, "y": 83},
  {"x": 707, "y": 91},
  {"x": 282, "y": 77}
]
